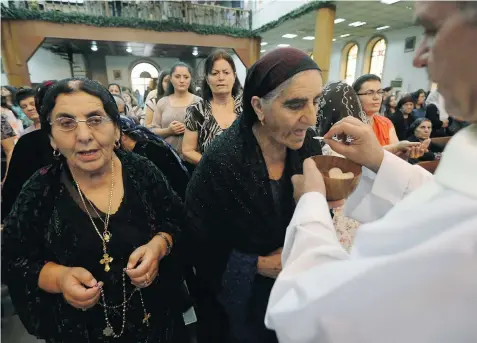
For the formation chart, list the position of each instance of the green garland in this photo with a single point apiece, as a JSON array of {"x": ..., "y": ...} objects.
[
  {"x": 300, "y": 11},
  {"x": 172, "y": 25}
]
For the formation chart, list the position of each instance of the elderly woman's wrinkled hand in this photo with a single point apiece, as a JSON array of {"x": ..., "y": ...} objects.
[
  {"x": 79, "y": 288},
  {"x": 364, "y": 149},
  {"x": 143, "y": 264},
  {"x": 310, "y": 181}
]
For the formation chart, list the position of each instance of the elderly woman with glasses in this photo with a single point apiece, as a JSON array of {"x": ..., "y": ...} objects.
[{"x": 84, "y": 240}]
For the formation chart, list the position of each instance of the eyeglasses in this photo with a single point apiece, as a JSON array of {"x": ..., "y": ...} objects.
[
  {"x": 373, "y": 93},
  {"x": 69, "y": 124}
]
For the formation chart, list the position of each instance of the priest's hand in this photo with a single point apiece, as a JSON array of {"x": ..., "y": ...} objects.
[
  {"x": 79, "y": 288},
  {"x": 143, "y": 263},
  {"x": 310, "y": 181},
  {"x": 364, "y": 149}
]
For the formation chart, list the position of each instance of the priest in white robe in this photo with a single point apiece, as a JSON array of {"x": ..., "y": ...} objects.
[{"x": 411, "y": 276}]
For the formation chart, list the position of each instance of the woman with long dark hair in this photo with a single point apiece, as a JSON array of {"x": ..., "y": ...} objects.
[
  {"x": 390, "y": 105},
  {"x": 221, "y": 104},
  {"x": 170, "y": 111},
  {"x": 82, "y": 245}
]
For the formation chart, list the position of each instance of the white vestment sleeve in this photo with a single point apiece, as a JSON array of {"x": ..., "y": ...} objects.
[{"x": 377, "y": 193}]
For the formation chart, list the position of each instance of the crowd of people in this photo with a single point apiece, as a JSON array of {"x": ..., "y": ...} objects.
[{"x": 120, "y": 213}]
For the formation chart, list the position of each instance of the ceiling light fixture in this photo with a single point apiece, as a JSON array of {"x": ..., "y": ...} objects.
[
  {"x": 262, "y": 51},
  {"x": 94, "y": 47},
  {"x": 129, "y": 49},
  {"x": 339, "y": 20},
  {"x": 389, "y": 2},
  {"x": 195, "y": 51},
  {"x": 309, "y": 38},
  {"x": 345, "y": 35},
  {"x": 357, "y": 23},
  {"x": 289, "y": 35},
  {"x": 263, "y": 43},
  {"x": 283, "y": 45},
  {"x": 383, "y": 28},
  {"x": 334, "y": 39}
]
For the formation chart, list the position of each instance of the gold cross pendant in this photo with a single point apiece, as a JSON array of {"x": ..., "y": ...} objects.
[
  {"x": 146, "y": 319},
  {"x": 106, "y": 260}
]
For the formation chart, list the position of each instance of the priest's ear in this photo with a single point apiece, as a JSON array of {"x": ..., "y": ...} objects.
[{"x": 258, "y": 104}]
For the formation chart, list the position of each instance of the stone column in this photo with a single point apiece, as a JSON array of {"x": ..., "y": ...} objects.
[{"x": 324, "y": 27}]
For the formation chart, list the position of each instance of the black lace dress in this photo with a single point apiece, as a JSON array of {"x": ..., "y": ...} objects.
[
  {"x": 48, "y": 223},
  {"x": 238, "y": 214}
]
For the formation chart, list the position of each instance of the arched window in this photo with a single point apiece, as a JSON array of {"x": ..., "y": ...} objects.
[
  {"x": 141, "y": 75},
  {"x": 378, "y": 52},
  {"x": 351, "y": 58}
]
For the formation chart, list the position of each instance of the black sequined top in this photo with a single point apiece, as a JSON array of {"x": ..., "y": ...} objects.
[
  {"x": 231, "y": 205},
  {"x": 48, "y": 224}
]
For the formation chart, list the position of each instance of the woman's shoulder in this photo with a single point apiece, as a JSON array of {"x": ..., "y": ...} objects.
[
  {"x": 195, "y": 99},
  {"x": 162, "y": 101}
]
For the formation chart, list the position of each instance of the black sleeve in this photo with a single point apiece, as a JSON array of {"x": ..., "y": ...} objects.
[{"x": 24, "y": 255}]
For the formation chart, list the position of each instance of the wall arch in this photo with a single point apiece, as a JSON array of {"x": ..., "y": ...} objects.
[
  {"x": 141, "y": 84},
  {"x": 368, "y": 53}
]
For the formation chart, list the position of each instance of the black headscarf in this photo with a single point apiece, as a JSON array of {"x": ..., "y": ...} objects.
[{"x": 271, "y": 71}]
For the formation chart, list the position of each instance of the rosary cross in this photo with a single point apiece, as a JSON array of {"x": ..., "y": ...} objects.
[
  {"x": 106, "y": 260},
  {"x": 146, "y": 319}
]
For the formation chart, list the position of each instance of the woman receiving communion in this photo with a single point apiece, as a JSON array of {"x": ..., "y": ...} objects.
[{"x": 90, "y": 247}]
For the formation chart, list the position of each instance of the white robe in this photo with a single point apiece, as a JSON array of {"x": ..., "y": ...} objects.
[{"x": 412, "y": 274}]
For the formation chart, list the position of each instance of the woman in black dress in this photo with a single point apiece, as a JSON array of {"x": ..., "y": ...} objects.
[
  {"x": 83, "y": 242},
  {"x": 421, "y": 131},
  {"x": 240, "y": 197}
]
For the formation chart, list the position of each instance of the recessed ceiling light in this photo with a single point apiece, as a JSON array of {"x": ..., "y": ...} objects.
[
  {"x": 309, "y": 38},
  {"x": 334, "y": 39},
  {"x": 263, "y": 43},
  {"x": 357, "y": 23},
  {"x": 129, "y": 49},
  {"x": 262, "y": 51},
  {"x": 289, "y": 35},
  {"x": 383, "y": 28},
  {"x": 339, "y": 20},
  {"x": 389, "y": 2},
  {"x": 345, "y": 35},
  {"x": 283, "y": 45},
  {"x": 94, "y": 47},
  {"x": 195, "y": 53}
]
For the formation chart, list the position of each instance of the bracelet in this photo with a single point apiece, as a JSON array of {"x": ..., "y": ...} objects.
[{"x": 168, "y": 244}]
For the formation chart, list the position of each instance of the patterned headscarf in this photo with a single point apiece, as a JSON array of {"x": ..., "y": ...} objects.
[
  {"x": 338, "y": 100},
  {"x": 271, "y": 71}
]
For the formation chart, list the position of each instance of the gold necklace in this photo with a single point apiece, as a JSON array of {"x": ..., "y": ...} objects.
[{"x": 106, "y": 235}]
